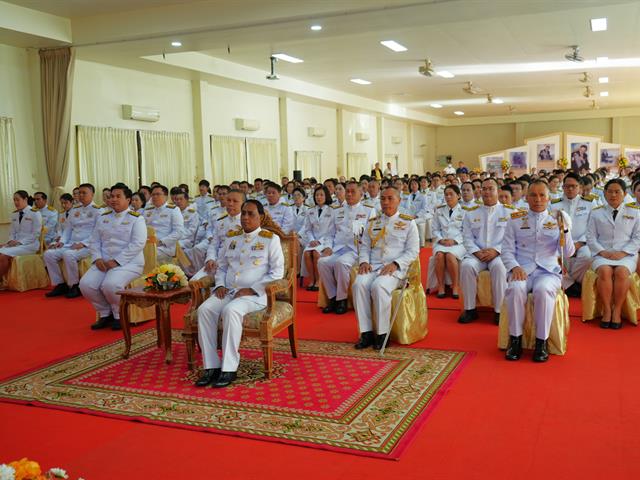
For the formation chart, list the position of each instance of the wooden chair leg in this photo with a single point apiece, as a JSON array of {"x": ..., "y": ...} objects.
[
  {"x": 293, "y": 340},
  {"x": 267, "y": 354}
]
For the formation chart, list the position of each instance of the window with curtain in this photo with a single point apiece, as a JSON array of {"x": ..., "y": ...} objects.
[
  {"x": 229, "y": 158},
  {"x": 309, "y": 163},
  {"x": 8, "y": 168},
  {"x": 107, "y": 155},
  {"x": 166, "y": 158},
  {"x": 357, "y": 164},
  {"x": 262, "y": 159}
]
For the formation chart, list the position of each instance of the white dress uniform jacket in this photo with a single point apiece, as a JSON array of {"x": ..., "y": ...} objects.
[
  {"x": 249, "y": 260},
  {"x": 26, "y": 231},
  {"x": 50, "y": 222},
  {"x": 621, "y": 234},
  {"x": 191, "y": 221},
  {"x": 299, "y": 214},
  {"x": 204, "y": 204},
  {"x": 282, "y": 215},
  {"x": 447, "y": 224},
  {"x": 167, "y": 221},
  {"x": 318, "y": 226}
]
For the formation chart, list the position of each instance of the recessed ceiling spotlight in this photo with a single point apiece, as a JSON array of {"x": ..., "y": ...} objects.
[
  {"x": 603, "y": 80},
  {"x": 601, "y": 59},
  {"x": 316, "y": 28},
  {"x": 598, "y": 24},
  {"x": 393, "y": 45},
  {"x": 604, "y": 94},
  {"x": 287, "y": 58},
  {"x": 445, "y": 74},
  {"x": 176, "y": 44},
  {"x": 435, "y": 105},
  {"x": 360, "y": 81},
  {"x": 458, "y": 112},
  {"x": 498, "y": 100}
]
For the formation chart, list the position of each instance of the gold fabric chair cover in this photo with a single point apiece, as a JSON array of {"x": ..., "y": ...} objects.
[
  {"x": 410, "y": 325},
  {"x": 28, "y": 272},
  {"x": 323, "y": 300},
  {"x": 592, "y": 306},
  {"x": 484, "y": 294},
  {"x": 83, "y": 266},
  {"x": 560, "y": 326}
]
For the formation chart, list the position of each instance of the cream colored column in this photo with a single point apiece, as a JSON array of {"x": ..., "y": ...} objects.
[
  {"x": 286, "y": 163},
  {"x": 341, "y": 164},
  {"x": 201, "y": 142},
  {"x": 380, "y": 133}
]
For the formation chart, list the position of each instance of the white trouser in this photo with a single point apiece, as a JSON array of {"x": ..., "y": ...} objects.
[
  {"x": 544, "y": 286},
  {"x": 70, "y": 258},
  {"x": 427, "y": 229},
  {"x": 421, "y": 223},
  {"x": 197, "y": 256},
  {"x": 335, "y": 273},
  {"x": 577, "y": 266},
  {"x": 166, "y": 254},
  {"x": 100, "y": 287},
  {"x": 232, "y": 312},
  {"x": 377, "y": 289},
  {"x": 469, "y": 270}
]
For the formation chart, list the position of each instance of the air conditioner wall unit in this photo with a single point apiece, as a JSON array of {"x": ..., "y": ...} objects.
[
  {"x": 316, "y": 132},
  {"x": 143, "y": 114},
  {"x": 362, "y": 136},
  {"x": 396, "y": 140},
  {"x": 247, "y": 125}
]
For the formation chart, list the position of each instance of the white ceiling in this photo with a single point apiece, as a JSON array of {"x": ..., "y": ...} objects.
[{"x": 456, "y": 35}]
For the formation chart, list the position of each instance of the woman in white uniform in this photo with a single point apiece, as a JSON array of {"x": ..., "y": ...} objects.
[
  {"x": 318, "y": 232},
  {"x": 24, "y": 237},
  {"x": 448, "y": 247},
  {"x": 341, "y": 195},
  {"x": 613, "y": 236}
]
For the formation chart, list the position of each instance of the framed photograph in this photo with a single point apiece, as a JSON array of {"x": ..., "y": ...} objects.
[
  {"x": 633, "y": 155},
  {"x": 581, "y": 150},
  {"x": 518, "y": 158},
  {"x": 544, "y": 151},
  {"x": 492, "y": 162},
  {"x": 608, "y": 155}
]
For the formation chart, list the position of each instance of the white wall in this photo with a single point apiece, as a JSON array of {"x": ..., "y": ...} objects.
[
  {"x": 395, "y": 128},
  {"x": 423, "y": 148},
  {"x": 353, "y": 123},
  {"x": 301, "y": 116}
]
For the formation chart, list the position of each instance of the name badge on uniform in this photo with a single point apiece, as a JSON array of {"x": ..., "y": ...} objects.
[
  {"x": 360, "y": 215},
  {"x": 125, "y": 223},
  {"x": 459, "y": 217},
  {"x": 580, "y": 208},
  {"x": 628, "y": 217},
  {"x": 258, "y": 247},
  {"x": 503, "y": 219},
  {"x": 476, "y": 219},
  {"x": 162, "y": 215},
  {"x": 525, "y": 224},
  {"x": 77, "y": 214},
  {"x": 549, "y": 225}
]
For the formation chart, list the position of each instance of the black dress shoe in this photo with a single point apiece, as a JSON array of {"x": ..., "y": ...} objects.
[
  {"x": 341, "y": 307},
  {"x": 209, "y": 376},
  {"x": 74, "y": 292},
  {"x": 455, "y": 296},
  {"x": 366, "y": 340},
  {"x": 331, "y": 307},
  {"x": 540, "y": 354},
  {"x": 468, "y": 316},
  {"x": 515, "y": 348},
  {"x": 115, "y": 325},
  {"x": 104, "y": 322},
  {"x": 224, "y": 380},
  {"x": 496, "y": 318},
  {"x": 379, "y": 341},
  {"x": 604, "y": 324},
  {"x": 441, "y": 295},
  {"x": 574, "y": 291},
  {"x": 58, "y": 290},
  {"x": 314, "y": 288},
  {"x": 615, "y": 325}
]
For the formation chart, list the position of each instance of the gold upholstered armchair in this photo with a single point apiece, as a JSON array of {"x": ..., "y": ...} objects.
[
  {"x": 28, "y": 272},
  {"x": 280, "y": 312}
]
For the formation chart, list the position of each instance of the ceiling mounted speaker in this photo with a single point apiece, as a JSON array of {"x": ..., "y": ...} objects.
[
  {"x": 247, "y": 125},
  {"x": 362, "y": 136},
  {"x": 316, "y": 132}
]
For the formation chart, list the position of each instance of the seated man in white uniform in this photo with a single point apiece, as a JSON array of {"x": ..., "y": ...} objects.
[
  {"x": 530, "y": 250},
  {"x": 483, "y": 230},
  {"x": 280, "y": 212},
  {"x": 166, "y": 220},
  {"x": 66, "y": 201},
  {"x": 389, "y": 245},
  {"x": 250, "y": 259},
  {"x": 116, "y": 250},
  {"x": 49, "y": 216},
  {"x": 190, "y": 217},
  {"x": 335, "y": 269},
  {"x": 578, "y": 208},
  {"x": 73, "y": 245},
  {"x": 373, "y": 199},
  {"x": 204, "y": 201}
]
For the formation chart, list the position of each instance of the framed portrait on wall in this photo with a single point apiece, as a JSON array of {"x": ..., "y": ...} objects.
[
  {"x": 492, "y": 162},
  {"x": 633, "y": 155},
  {"x": 544, "y": 151},
  {"x": 581, "y": 150},
  {"x": 518, "y": 158},
  {"x": 608, "y": 155}
]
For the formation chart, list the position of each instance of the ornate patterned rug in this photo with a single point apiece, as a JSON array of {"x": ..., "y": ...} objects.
[{"x": 332, "y": 396}]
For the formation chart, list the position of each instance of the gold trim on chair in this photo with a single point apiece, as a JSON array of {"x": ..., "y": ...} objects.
[
  {"x": 592, "y": 306},
  {"x": 28, "y": 272}
]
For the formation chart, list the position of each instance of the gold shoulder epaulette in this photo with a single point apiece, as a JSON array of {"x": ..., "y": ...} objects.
[
  {"x": 518, "y": 214},
  {"x": 135, "y": 214},
  {"x": 150, "y": 207},
  {"x": 633, "y": 205},
  {"x": 596, "y": 208},
  {"x": 171, "y": 206},
  {"x": 35, "y": 209},
  {"x": 442, "y": 206},
  {"x": 265, "y": 234},
  {"x": 107, "y": 212},
  {"x": 556, "y": 200},
  {"x": 511, "y": 207},
  {"x": 223, "y": 216},
  {"x": 104, "y": 205},
  {"x": 471, "y": 209},
  {"x": 336, "y": 206},
  {"x": 78, "y": 206},
  {"x": 588, "y": 198},
  {"x": 51, "y": 208},
  {"x": 94, "y": 206},
  {"x": 367, "y": 205},
  {"x": 192, "y": 210},
  {"x": 404, "y": 216},
  {"x": 373, "y": 219},
  {"x": 234, "y": 233},
  {"x": 479, "y": 202}
]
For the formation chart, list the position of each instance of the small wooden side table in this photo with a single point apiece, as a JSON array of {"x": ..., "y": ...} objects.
[{"x": 162, "y": 300}]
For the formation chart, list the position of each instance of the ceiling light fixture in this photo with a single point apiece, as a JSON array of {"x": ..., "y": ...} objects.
[
  {"x": 435, "y": 105},
  {"x": 445, "y": 74},
  {"x": 393, "y": 45},
  {"x": 498, "y": 100},
  {"x": 602, "y": 59},
  {"x": 603, "y": 80},
  {"x": 599, "y": 24},
  {"x": 604, "y": 94},
  {"x": 176, "y": 44},
  {"x": 287, "y": 58},
  {"x": 458, "y": 112},
  {"x": 316, "y": 28},
  {"x": 360, "y": 81}
]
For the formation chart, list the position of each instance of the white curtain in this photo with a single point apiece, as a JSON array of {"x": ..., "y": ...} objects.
[
  {"x": 166, "y": 158},
  {"x": 310, "y": 163},
  {"x": 357, "y": 164},
  {"x": 262, "y": 159},
  {"x": 229, "y": 158},
  {"x": 107, "y": 155},
  {"x": 8, "y": 168}
]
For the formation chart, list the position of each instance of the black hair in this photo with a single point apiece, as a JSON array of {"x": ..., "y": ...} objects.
[
  {"x": 126, "y": 190},
  {"x": 454, "y": 188},
  {"x": 145, "y": 187},
  {"x": 22, "y": 194},
  {"x": 165, "y": 190},
  {"x": 44, "y": 195},
  {"x": 141, "y": 197},
  {"x": 235, "y": 190},
  {"x": 258, "y": 205},
  {"x": 491, "y": 179},
  {"x": 573, "y": 175},
  {"x": 617, "y": 181},
  {"x": 89, "y": 186},
  {"x": 204, "y": 183},
  {"x": 327, "y": 194},
  {"x": 301, "y": 190},
  {"x": 66, "y": 197},
  {"x": 275, "y": 186},
  {"x": 507, "y": 188},
  {"x": 176, "y": 191}
]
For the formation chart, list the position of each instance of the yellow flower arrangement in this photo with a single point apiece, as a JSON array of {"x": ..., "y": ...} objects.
[
  {"x": 563, "y": 163},
  {"x": 623, "y": 162},
  {"x": 25, "y": 469},
  {"x": 505, "y": 165},
  {"x": 165, "y": 277}
]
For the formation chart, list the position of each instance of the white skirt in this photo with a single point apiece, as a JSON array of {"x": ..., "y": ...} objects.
[
  {"x": 457, "y": 251},
  {"x": 630, "y": 261},
  {"x": 19, "y": 250}
]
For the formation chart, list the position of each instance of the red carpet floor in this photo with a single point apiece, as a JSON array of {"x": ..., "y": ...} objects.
[{"x": 575, "y": 417}]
